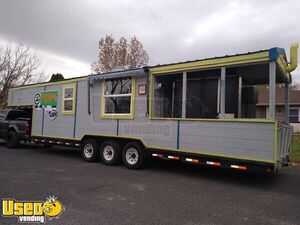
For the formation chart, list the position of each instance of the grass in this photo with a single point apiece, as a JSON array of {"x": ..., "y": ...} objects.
[{"x": 295, "y": 153}]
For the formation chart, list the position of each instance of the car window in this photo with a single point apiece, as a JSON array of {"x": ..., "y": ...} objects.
[
  {"x": 2, "y": 113},
  {"x": 13, "y": 115}
]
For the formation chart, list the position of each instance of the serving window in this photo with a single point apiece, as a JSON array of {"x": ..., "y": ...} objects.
[
  {"x": 201, "y": 99},
  {"x": 168, "y": 96},
  {"x": 202, "y": 95},
  {"x": 117, "y": 100}
]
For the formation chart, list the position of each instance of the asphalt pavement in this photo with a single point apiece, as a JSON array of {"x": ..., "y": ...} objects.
[{"x": 164, "y": 192}]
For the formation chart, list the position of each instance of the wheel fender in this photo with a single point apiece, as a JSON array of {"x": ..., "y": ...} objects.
[{"x": 12, "y": 127}]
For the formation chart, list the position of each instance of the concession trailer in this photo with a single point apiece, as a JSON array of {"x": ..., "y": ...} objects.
[{"x": 201, "y": 112}]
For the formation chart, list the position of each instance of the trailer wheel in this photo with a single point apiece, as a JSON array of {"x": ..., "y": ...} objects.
[
  {"x": 110, "y": 152},
  {"x": 12, "y": 140},
  {"x": 90, "y": 150},
  {"x": 133, "y": 156}
]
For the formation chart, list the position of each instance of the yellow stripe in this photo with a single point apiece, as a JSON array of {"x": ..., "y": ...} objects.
[
  {"x": 283, "y": 65},
  {"x": 218, "y": 120},
  {"x": 150, "y": 94},
  {"x": 275, "y": 141},
  {"x": 163, "y": 148},
  {"x": 209, "y": 63},
  {"x": 49, "y": 136}
]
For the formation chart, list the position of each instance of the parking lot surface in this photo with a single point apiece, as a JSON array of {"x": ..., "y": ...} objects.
[{"x": 164, "y": 192}]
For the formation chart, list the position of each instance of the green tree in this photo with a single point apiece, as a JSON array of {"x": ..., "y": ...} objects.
[{"x": 56, "y": 77}]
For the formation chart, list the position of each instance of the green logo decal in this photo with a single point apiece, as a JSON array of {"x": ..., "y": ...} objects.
[{"x": 49, "y": 98}]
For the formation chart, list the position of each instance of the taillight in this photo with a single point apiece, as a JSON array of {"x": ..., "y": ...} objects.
[
  {"x": 269, "y": 170},
  {"x": 26, "y": 128}
]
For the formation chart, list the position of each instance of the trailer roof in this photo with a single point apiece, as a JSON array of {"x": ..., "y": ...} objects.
[
  {"x": 208, "y": 58},
  {"x": 117, "y": 74},
  {"x": 227, "y": 60},
  {"x": 275, "y": 53},
  {"x": 68, "y": 80},
  {"x": 249, "y": 60}
]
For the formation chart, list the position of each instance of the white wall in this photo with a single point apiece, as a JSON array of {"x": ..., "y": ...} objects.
[{"x": 296, "y": 127}]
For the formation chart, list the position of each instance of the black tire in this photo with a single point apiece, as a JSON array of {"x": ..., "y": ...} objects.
[
  {"x": 110, "y": 152},
  {"x": 133, "y": 156},
  {"x": 47, "y": 145},
  {"x": 90, "y": 150},
  {"x": 13, "y": 140}
]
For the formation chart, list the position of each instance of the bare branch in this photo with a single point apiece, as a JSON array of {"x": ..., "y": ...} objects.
[
  {"x": 120, "y": 54},
  {"x": 18, "y": 66}
]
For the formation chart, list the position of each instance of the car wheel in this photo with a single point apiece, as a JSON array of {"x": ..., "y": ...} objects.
[
  {"x": 90, "y": 150},
  {"x": 12, "y": 140},
  {"x": 110, "y": 152},
  {"x": 133, "y": 155}
]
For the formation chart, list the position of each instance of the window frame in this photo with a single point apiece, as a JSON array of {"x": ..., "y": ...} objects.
[
  {"x": 69, "y": 112},
  {"x": 130, "y": 115},
  {"x": 152, "y": 99},
  {"x": 3, "y": 114},
  {"x": 298, "y": 116}
]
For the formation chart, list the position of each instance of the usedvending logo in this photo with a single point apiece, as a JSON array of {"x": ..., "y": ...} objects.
[{"x": 32, "y": 211}]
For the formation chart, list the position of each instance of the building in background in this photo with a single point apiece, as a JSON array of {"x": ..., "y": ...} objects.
[{"x": 263, "y": 101}]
